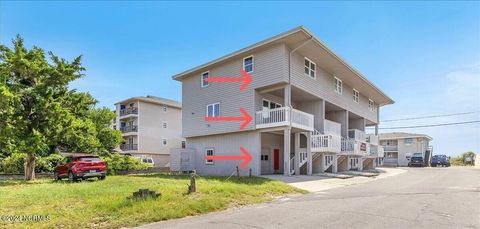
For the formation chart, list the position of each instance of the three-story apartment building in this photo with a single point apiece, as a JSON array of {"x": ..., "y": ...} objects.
[
  {"x": 150, "y": 127},
  {"x": 399, "y": 147},
  {"x": 309, "y": 109}
]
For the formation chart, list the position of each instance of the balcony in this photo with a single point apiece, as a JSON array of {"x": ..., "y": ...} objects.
[
  {"x": 351, "y": 146},
  {"x": 390, "y": 147},
  {"x": 372, "y": 139},
  {"x": 357, "y": 135},
  {"x": 128, "y": 111},
  {"x": 284, "y": 116},
  {"x": 375, "y": 151},
  {"x": 129, "y": 129},
  {"x": 325, "y": 142},
  {"x": 129, "y": 147},
  {"x": 331, "y": 127}
]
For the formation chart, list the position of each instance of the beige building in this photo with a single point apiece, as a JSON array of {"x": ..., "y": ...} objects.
[
  {"x": 309, "y": 109},
  {"x": 399, "y": 147},
  {"x": 151, "y": 126}
]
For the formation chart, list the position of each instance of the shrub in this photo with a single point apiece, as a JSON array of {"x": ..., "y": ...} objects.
[
  {"x": 116, "y": 162},
  {"x": 14, "y": 163}
]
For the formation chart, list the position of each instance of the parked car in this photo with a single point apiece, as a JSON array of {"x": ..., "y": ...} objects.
[
  {"x": 416, "y": 160},
  {"x": 81, "y": 167},
  {"x": 440, "y": 160}
]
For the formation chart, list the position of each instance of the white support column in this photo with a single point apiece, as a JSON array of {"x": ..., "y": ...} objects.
[
  {"x": 349, "y": 163},
  {"x": 297, "y": 153},
  {"x": 376, "y": 130},
  {"x": 286, "y": 151},
  {"x": 335, "y": 164},
  {"x": 360, "y": 164},
  {"x": 322, "y": 163},
  {"x": 309, "y": 154}
]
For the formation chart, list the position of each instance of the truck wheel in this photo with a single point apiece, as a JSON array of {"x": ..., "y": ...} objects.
[
  {"x": 71, "y": 177},
  {"x": 56, "y": 177}
]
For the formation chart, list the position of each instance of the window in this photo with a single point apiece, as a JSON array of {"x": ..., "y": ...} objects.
[
  {"x": 165, "y": 109},
  {"x": 338, "y": 85},
  {"x": 270, "y": 105},
  {"x": 356, "y": 96},
  {"x": 213, "y": 110},
  {"x": 408, "y": 141},
  {"x": 209, "y": 152},
  {"x": 370, "y": 104},
  {"x": 264, "y": 157},
  {"x": 164, "y": 141},
  {"x": 248, "y": 64},
  {"x": 204, "y": 76},
  {"x": 164, "y": 125},
  {"x": 310, "y": 68},
  {"x": 184, "y": 144}
]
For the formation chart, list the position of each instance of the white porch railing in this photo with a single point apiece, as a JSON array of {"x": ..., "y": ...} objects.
[
  {"x": 272, "y": 117},
  {"x": 353, "y": 147},
  {"x": 283, "y": 116},
  {"x": 302, "y": 120},
  {"x": 357, "y": 135},
  {"x": 372, "y": 139},
  {"x": 332, "y": 127},
  {"x": 390, "y": 147},
  {"x": 325, "y": 142}
]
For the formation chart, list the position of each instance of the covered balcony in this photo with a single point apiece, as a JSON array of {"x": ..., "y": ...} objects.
[
  {"x": 330, "y": 141},
  {"x": 129, "y": 129},
  {"x": 128, "y": 147},
  {"x": 284, "y": 116},
  {"x": 128, "y": 111},
  {"x": 353, "y": 147},
  {"x": 372, "y": 139}
]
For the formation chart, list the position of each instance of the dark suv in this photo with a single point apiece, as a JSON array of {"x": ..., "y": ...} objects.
[
  {"x": 440, "y": 160},
  {"x": 416, "y": 160}
]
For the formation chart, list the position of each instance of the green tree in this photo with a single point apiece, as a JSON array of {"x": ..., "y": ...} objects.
[{"x": 40, "y": 114}]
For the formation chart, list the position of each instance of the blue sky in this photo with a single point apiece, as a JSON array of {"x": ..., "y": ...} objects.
[{"x": 424, "y": 55}]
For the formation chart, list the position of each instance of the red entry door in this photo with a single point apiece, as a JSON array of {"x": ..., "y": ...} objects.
[{"x": 276, "y": 159}]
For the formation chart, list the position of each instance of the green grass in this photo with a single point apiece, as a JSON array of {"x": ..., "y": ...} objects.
[{"x": 103, "y": 204}]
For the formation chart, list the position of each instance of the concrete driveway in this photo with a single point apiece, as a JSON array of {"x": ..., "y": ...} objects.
[{"x": 418, "y": 198}]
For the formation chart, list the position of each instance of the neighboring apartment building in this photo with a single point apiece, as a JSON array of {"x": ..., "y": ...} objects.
[
  {"x": 400, "y": 147},
  {"x": 150, "y": 126},
  {"x": 309, "y": 109}
]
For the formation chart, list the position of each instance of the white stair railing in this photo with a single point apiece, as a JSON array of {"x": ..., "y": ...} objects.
[
  {"x": 292, "y": 165},
  {"x": 303, "y": 158}
]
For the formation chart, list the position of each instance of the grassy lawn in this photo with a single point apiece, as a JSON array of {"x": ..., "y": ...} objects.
[{"x": 103, "y": 204}]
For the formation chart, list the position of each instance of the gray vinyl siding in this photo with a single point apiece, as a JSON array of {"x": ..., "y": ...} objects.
[
  {"x": 269, "y": 68},
  {"x": 226, "y": 145},
  {"x": 323, "y": 87}
]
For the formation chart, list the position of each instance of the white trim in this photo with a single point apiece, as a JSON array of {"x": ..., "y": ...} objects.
[
  {"x": 212, "y": 104},
  {"x": 201, "y": 79},
  {"x": 253, "y": 63},
  {"x": 207, "y": 162},
  {"x": 356, "y": 97},
  {"x": 335, "y": 80},
  {"x": 310, "y": 68}
]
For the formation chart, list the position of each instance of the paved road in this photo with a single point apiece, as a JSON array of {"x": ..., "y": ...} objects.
[{"x": 419, "y": 198}]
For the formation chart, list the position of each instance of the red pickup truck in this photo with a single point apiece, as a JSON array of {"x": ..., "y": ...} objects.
[{"x": 81, "y": 167}]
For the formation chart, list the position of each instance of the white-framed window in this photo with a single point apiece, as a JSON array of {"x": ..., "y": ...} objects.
[
  {"x": 213, "y": 110},
  {"x": 165, "y": 109},
  {"x": 310, "y": 68},
  {"x": 204, "y": 76},
  {"x": 209, "y": 152},
  {"x": 164, "y": 125},
  {"x": 408, "y": 141},
  {"x": 270, "y": 105},
  {"x": 371, "y": 104},
  {"x": 164, "y": 141},
  {"x": 356, "y": 96},
  {"x": 248, "y": 64},
  {"x": 338, "y": 85},
  {"x": 184, "y": 144}
]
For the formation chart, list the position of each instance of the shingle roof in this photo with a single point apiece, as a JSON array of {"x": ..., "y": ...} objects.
[
  {"x": 401, "y": 135},
  {"x": 155, "y": 99}
]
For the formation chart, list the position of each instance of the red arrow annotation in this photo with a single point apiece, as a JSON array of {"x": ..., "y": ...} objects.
[
  {"x": 246, "y": 79},
  {"x": 246, "y": 158},
  {"x": 246, "y": 118}
]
